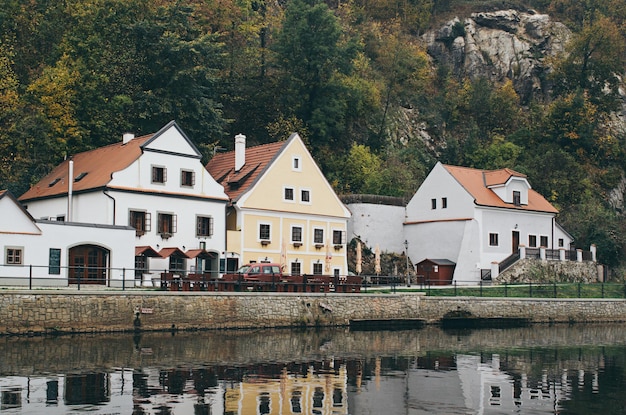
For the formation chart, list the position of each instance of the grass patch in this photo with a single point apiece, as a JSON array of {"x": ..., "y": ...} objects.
[{"x": 559, "y": 290}]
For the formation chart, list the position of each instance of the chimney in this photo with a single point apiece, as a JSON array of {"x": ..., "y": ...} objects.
[
  {"x": 127, "y": 137},
  {"x": 240, "y": 151}
]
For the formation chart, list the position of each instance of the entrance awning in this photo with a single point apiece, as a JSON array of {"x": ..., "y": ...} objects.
[
  {"x": 200, "y": 253},
  {"x": 168, "y": 252},
  {"x": 146, "y": 251}
]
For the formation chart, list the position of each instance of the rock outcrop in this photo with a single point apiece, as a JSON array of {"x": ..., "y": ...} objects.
[{"x": 499, "y": 45}]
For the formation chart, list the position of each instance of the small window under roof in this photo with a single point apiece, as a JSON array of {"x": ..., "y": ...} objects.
[
  {"x": 55, "y": 181},
  {"x": 80, "y": 176}
]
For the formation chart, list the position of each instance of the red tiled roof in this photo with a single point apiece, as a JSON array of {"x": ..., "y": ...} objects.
[
  {"x": 476, "y": 183},
  {"x": 146, "y": 251},
  {"x": 167, "y": 252},
  {"x": 222, "y": 167},
  {"x": 202, "y": 253},
  {"x": 98, "y": 164}
]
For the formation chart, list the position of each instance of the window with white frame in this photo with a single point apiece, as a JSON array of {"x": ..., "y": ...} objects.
[
  {"x": 444, "y": 202},
  {"x": 433, "y": 203},
  {"x": 305, "y": 196},
  {"x": 517, "y": 198},
  {"x": 532, "y": 241},
  {"x": 187, "y": 178},
  {"x": 14, "y": 255},
  {"x": 140, "y": 220},
  {"x": 339, "y": 237},
  {"x": 561, "y": 242},
  {"x": 159, "y": 174},
  {"x": 204, "y": 226},
  {"x": 166, "y": 224},
  {"x": 264, "y": 231},
  {"x": 318, "y": 236},
  {"x": 296, "y": 163},
  {"x": 296, "y": 235},
  {"x": 543, "y": 241},
  {"x": 493, "y": 239},
  {"x": 317, "y": 268},
  {"x": 296, "y": 268},
  {"x": 288, "y": 194}
]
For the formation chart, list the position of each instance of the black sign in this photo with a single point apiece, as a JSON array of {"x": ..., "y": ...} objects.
[{"x": 54, "y": 264}]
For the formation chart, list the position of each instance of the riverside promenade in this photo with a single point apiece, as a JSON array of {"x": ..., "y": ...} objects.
[{"x": 24, "y": 312}]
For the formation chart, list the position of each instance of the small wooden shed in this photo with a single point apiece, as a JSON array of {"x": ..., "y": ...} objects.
[{"x": 435, "y": 271}]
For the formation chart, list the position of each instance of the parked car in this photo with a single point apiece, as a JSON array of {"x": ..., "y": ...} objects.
[{"x": 262, "y": 271}]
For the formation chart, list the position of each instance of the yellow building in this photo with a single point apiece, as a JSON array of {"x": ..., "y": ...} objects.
[{"x": 282, "y": 209}]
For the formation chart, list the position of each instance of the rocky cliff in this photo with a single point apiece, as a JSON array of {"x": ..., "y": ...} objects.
[{"x": 499, "y": 45}]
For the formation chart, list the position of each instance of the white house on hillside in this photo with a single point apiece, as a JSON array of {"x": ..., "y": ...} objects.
[
  {"x": 476, "y": 217},
  {"x": 155, "y": 184}
]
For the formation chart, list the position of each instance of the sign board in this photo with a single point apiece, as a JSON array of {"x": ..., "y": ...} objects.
[{"x": 54, "y": 261}]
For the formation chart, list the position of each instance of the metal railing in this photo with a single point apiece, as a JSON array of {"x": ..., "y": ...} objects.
[
  {"x": 78, "y": 277},
  {"x": 525, "y": 290}
]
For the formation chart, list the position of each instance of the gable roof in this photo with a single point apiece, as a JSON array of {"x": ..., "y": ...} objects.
[
  {"x": 258, "y": 159},
  {"x": 98, "y": 164},
  {"x": 476, "y": 182},
  {"x": 94, "y": 169}
]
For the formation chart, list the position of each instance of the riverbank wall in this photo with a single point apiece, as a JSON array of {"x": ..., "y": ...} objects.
[{"x": 41, "y": 312}]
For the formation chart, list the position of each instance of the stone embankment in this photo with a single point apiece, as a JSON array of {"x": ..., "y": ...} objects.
[{"x": 26, "y": 312}]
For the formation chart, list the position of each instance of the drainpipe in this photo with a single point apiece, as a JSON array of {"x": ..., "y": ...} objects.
[
  {"x": 113, "y": 199},
  {"x": 70, "y": 186}
]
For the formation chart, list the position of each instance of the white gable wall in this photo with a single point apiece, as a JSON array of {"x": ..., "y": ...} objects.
[{"x": 439, "y": 184}]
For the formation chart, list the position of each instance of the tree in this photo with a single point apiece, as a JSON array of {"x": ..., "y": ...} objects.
[
  {"x": 593, "y": 64},
  {"x": 311, "y": 54}
]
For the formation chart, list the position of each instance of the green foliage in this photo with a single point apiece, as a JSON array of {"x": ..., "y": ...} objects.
[{"x": 350, "y": 77}]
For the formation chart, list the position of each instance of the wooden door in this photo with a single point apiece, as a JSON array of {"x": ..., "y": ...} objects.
[
  {"x": 515, "y": 244},
  {"x": 89, "y": 263}
]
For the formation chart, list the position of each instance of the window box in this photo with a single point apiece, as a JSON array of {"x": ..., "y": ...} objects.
[
  {"x": 265, "y": 242},
  {"x": 338, "y": 247},
  {"x": 297, "y": 244},
  {"x": 319, "y": 246},
  {"x": 166, "y": 235}
]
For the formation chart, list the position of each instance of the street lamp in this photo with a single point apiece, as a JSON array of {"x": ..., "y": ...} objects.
[{"x": 406, "y": 253}]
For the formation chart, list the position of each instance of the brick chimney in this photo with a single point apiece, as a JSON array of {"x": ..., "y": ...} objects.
[{"x": 240, "y": 151}]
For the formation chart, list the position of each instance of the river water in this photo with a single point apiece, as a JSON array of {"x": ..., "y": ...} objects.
[{"x": 558, "y": 369}]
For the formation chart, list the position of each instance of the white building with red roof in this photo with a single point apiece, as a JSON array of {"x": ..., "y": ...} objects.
[
  {"x": 476, "y": 217},
  {"x": 156, "y": 184}
]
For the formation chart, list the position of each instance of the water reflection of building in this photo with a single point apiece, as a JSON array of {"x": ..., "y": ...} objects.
[
  {"x": 322, "y": 393},
  {"x": 464, "y": 384},
  {"x": 58, "y": 393}
]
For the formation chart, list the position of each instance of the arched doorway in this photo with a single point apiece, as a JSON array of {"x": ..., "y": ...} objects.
[{"x": 88, "y": 263}]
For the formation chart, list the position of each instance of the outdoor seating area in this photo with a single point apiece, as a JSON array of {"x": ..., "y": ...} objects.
[{"x": 266, "y": 283}]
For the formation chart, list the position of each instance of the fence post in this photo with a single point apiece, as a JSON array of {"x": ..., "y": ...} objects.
[
  {"x": 602, "y": 289},
  {"x": 481, "y": 287},
  {"x": 123, "y": 279},
  {"x": 506, "y": 289},
  {"x": 80, "y": 268},
  {"x": 530, "y": 287},
  {"x": 579, "y": 290},
  {"x": 555, "y": 289},
  {"x": 455, "y": 288},
  {"x": 30, "y": 277}
]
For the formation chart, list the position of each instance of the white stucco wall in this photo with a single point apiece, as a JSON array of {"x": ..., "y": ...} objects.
[
  {"x": 120, "y": 241},
  {"x": 377, "y": 224}
]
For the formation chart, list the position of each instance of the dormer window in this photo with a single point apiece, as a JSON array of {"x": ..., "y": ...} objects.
[
  {"x": 517, "y": 198},
  {"x": 80, "y": 176}
]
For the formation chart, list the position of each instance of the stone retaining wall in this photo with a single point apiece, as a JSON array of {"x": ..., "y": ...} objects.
[{"x": 23, "y": 312}]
